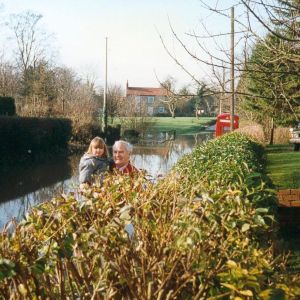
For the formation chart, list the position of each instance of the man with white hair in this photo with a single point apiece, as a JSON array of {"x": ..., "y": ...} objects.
[{"x": 121, "y": 155}]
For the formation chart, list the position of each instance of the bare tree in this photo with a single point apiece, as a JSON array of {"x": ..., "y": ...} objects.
[
  {"x": 133, "y": 114},
  {"x": 115, "y": 95},
  {"x": 9, "y": 79},
  {"x": 172, "y": 98},
  {"x": 33, "y": 64},
  {"x": 30, "y": 39},
  {"x": 276, "y": 17},
  {"x": 75, "y": 98}
]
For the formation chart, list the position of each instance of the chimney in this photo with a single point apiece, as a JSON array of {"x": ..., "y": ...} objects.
[{"x": 127, "y": 88}]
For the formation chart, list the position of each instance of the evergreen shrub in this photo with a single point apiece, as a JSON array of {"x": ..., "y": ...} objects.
[
  {"x": 7, "y": 106},
  {"x": 31, "y": 137}
]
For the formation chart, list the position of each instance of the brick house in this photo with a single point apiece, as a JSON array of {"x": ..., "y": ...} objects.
[{"x": 148, "y": 99}]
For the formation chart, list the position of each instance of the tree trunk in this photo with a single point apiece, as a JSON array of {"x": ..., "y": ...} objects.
[{"x": 272, "y": 132}]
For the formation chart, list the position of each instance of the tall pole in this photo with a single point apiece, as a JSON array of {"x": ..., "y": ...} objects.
[
  {"x": 104, "y": 110},
  {"x": 222, "y": 99},
  {"x": 232, "y": 71}
]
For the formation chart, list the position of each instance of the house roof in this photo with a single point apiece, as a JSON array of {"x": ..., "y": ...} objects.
[{"x": 145, "y": 91}]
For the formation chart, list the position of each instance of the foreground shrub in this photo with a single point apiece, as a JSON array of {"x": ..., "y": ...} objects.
[{"x": 195, "y": 237}]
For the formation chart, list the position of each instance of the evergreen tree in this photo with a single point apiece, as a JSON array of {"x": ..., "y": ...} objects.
[{"x": 272, "y": 73}]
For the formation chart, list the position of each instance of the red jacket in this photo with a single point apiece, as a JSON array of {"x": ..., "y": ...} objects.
[{"x": 129, "y": 169}]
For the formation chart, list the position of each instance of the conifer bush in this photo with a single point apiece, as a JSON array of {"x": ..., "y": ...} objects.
[
  {"x": 7, "y": 106},
  {"x": 24, "y": 138}
]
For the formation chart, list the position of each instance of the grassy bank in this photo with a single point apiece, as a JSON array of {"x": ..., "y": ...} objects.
[
  {"x": 283, "y": 166},
  {"x": 182, "y": 125}
]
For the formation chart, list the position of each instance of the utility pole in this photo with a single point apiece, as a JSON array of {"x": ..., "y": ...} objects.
[
  {"x": 222, "y": 99},
  {"x": 104, "y": 109},
  {"x": 232, "y": 71}
]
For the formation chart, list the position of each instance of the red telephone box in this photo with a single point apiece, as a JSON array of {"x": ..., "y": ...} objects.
[{"x": 223, "y": 123}]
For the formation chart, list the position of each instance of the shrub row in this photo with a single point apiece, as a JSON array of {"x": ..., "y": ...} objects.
[
  {"x": 234, "y": 161},
  {"x": 30, "y": 137},
  {"x": 7, "y": 106},
  {"x": 197, "y": 235}
]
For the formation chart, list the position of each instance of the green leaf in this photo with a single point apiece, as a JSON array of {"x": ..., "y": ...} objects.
[
  {"x": 273, "y": 294},
  {"x": 66, "y": 249},
  {"x": 39, "y": 266},
  {"x": 261, "y": 210},
  {"x": 7, "y": 268},
  {"x": 246, "y": 293},
  {"x": 229, "y": 286},
  {"x": 231, "y": 264},
  {"x": 245, "y": 227}
]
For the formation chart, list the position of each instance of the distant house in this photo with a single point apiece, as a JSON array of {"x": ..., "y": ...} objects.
[{"x": 147, "y": 99}]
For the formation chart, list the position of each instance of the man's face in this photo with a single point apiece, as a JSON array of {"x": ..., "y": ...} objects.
[{"x": 120, "y": 155}]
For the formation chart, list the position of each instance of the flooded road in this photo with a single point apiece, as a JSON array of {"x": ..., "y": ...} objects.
[{"x": 24, "y": 188}]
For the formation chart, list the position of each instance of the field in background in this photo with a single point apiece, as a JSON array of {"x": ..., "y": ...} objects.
[
  {"x": 283, "y": 166},
  {"x": 182, "y": 125}
]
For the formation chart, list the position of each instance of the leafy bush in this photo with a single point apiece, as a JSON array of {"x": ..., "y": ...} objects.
[
  {"x": 233, "y": 161},
  {"x": 196, "y": 236}
]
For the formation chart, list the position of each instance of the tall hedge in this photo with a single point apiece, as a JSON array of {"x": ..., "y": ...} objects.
[
  {"x": 7, "y": 106},
  {"x": 23, "y": 137}
]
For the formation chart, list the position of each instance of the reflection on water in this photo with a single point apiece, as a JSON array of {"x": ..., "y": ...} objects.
[
  {"x": 158, "y": 158},
  {"x": 23, "y": 189},
  {"x": 19, "y": 182}
]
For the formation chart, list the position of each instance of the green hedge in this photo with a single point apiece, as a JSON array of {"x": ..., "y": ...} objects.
[
  {"x": 198, "y": 235},
  {"x": 7, "y": 106},
  {"x": 233, "y": 161},
  {"x": 31, "y": 137}
]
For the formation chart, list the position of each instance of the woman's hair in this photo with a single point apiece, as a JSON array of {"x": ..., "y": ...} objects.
[
  {"x": 98, "y": 142},
  {"x": 127, "y": 145}
]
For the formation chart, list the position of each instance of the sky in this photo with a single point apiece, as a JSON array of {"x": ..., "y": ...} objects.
[{"x": 132, "y": 27}]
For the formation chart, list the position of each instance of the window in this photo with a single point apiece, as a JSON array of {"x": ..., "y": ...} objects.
[
  {"x": 150, "y": 99},
  {"x": 137, "y": 99},
  {"x": 150, "y": 111},
  {"x": 161, "y": 109}
]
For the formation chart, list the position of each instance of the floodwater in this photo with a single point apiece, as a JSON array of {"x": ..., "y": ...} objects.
[{"x": 23, "y": 188}]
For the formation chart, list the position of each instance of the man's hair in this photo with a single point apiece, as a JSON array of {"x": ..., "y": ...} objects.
[{"x": 127, "y": 145}]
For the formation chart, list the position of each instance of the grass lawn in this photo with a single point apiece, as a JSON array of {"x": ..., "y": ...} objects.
[
  {"x": 182, "y": 125},
  {"x": 283, "y": 166}
]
